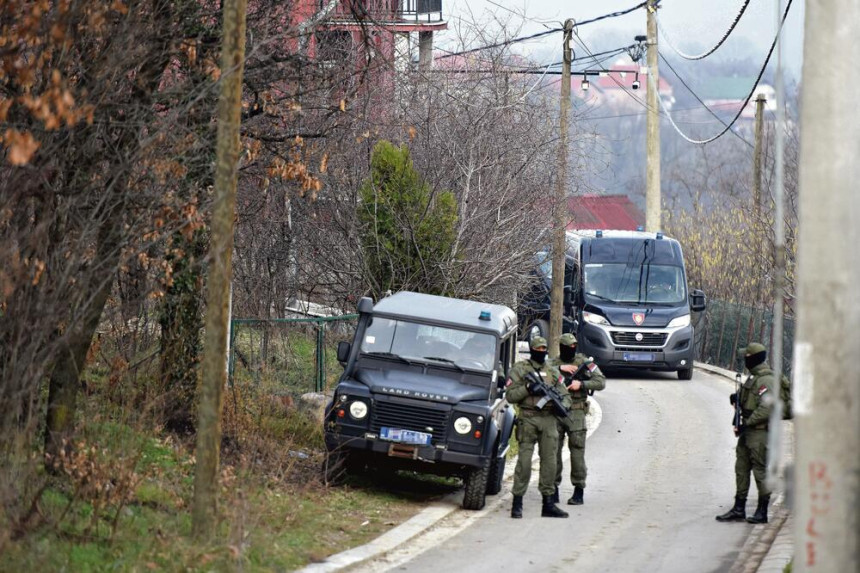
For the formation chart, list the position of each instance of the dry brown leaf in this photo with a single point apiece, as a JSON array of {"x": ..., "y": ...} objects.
[{"x": 21, "y": 146}]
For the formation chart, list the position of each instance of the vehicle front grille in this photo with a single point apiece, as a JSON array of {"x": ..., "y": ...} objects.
[
  {"x": 628, "y": 338},
  {"x": 411, "y": 416}
]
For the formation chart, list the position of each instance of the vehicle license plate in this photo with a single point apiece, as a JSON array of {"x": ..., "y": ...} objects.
[
  {"x": 638, "y": 357},
  {"x": 404, "y": 436}
]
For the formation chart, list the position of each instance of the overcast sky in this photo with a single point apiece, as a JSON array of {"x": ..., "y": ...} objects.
[{"x": 692, "y": 25}]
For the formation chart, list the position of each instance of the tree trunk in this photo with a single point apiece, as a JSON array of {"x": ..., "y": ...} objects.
[
  {"x": 65, "y": 377},
  {"x": 181, "y": 324}
]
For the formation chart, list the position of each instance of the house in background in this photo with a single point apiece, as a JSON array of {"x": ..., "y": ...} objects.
[
  {"x": 592, "y": 212},
  {"x": 726, "y": 96},
  {"x": 400, "y": 31}
]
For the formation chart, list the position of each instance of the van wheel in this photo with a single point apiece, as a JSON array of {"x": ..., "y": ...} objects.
[
  {"x": 476, "y": 487},
  {"x": 497, "y": 472},
  {"x": 685, "y": 374},
  {"x": 539, "y": 327}
]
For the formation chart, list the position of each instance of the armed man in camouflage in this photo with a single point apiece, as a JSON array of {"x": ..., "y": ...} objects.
[
  {"x": 535, "y": 426},
  {"x": 592, "y": 379},
  {"x": 751, "y": 452}
]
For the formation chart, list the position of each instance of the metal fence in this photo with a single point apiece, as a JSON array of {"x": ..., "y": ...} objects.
[
  {"x": 288, "y": 356},
  {"x": 725, "y": 327}
]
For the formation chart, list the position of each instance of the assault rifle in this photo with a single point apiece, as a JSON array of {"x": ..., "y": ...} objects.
[
  {"x": 582, "y": 374},
  {"x": 548, "y": 395},
  {"x": 737, "y": 420}
]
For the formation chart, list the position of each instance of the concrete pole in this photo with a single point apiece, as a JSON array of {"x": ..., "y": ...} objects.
[
  {"x": 559, "y": 246},
  {"x": 652, "y": 170},
  {"x": 214, "y": 374},
  {"x": 425, "y": 51},
  {"x": 757, "y": 154},
  {"x": 826, "y": 373}
]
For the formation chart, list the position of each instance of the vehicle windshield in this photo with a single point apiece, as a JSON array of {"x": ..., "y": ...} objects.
[
  {"x": 432, "y": 344},
  {"x": 645, "y": 284}
]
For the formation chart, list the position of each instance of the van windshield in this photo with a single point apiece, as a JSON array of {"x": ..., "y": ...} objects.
[
  {"x": 644, "y": 284},
  {"x": 433, "y": 344}
]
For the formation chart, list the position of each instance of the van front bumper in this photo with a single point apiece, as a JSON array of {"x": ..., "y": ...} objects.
[{"x": 666, "y": 349}]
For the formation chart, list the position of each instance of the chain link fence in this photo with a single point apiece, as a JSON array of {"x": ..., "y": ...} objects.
[
  {"x": 288, "y": 356},
  {"x": 725, "y": 327}
]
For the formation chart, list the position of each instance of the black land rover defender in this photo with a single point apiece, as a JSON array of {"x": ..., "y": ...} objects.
[{"x": 423, "y": 389}]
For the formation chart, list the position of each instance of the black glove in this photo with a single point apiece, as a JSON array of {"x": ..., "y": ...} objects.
[
  {"x": 534, "y": 388},
  {"x": 733, "y": 398},
  {"x": 586, "y": 375}
]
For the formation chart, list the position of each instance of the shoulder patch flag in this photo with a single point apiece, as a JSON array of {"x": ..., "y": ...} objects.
[
  {"x": 510, "y": 381},
  {"x": 592, "y": 367},
  {"x": 762, "y": 390}
]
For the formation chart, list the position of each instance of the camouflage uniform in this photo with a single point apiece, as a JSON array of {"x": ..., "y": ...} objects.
[
  {"x": 534, "y": 426},
  {"x": 574, "y": 426},
  {"x": 751, "y": 451}
]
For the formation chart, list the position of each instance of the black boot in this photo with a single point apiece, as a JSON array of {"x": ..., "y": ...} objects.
[
  {"x": 550, "y": 509},
  {"x": 517, "y": 507},
  {"x": 576, "y": 498},
  {"x": 737, "y": 513},
  {"x": 555, "y": 495},
  {"x": 760, "y": 511}
]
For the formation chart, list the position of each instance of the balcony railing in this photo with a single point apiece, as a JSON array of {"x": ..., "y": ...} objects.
[{"x": 419, "y": 11}]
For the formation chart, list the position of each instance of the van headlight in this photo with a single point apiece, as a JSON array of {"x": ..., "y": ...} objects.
[
  {"x": 462, "y": 425},
  {"x": 358, "y": 410},
  {"x": 594, "y": 318},
  {"x": 679, "y": 321}
]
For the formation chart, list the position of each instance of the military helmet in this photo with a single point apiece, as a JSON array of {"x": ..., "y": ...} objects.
[
  {"x": 567, "y": 339},
  {"x": 537, "y": 342},
  {"x": 751, "y": 348}
]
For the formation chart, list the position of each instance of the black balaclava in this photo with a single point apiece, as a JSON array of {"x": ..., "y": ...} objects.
[
  {"x": 567, "y": 353},
  {"x": 754, "y": 360},
  {"x": 538, "y": 356}
]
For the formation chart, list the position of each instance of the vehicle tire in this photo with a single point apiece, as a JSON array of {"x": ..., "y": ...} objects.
[
  {"x": 496, "y": 474},
  {"x": 685, "y": 374},
  {"x": 540, "y": 327},
  {"x": 476, "y": 487},
  {"x": 334, "y": 467}
]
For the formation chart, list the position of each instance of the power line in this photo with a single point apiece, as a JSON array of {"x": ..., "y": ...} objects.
[
  {"x": 746, "y": 101},
  {"x": 712, "y": 50},
  {"x": 544, "y": 33},
  {"x": 704, "y": 105}
]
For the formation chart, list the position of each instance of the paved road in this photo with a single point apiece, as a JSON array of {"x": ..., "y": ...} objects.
[{"x": 660, "y": 467}]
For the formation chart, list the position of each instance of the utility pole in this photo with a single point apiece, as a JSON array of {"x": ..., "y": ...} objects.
[
  {"x": 757, "y": 153},
  {"x": 559, "y": 247},
  {"x": 652, "y": 170},
  {"x": 214, "y": 373},
  {"x": 826, "y": 377}
]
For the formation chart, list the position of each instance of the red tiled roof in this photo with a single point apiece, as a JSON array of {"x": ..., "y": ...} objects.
[{"x": 604, "y": 212}]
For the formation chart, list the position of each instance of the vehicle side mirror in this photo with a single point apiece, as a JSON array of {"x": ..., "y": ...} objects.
[
  {"x": 697, "y": 300},
  {"x": 365, "y": 305},
  {"x": 343, "y": 350}
]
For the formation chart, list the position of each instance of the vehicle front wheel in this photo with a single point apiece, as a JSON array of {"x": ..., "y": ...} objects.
[
  {"x": 540, "y": 327},
  {"x": 685, "y": 374},
  {"x": 475, "y": 495},
  {"x": 334, "y": 468}
]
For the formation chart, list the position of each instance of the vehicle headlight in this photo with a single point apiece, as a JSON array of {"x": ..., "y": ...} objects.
[
  {"x": 358, "y": 410},
  {"x": 462, "y": 425},
  {"x": 679, "y": 321},
  {"x": 594, "y": 318}
]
